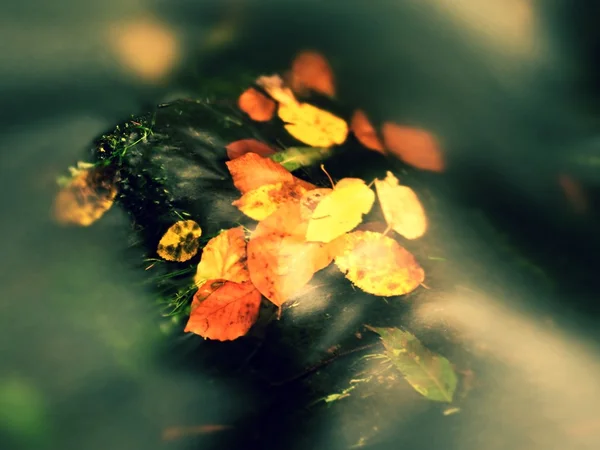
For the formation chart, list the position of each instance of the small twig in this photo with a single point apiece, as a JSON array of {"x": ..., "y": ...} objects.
[{"x": 322, "y": 364}]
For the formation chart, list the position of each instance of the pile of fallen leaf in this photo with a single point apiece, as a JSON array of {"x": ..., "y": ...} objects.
[{"x": 300, "y": 228}]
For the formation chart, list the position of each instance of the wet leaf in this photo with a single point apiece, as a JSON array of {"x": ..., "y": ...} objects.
[
  {"x": 307, "y": 123},
  {"x": 401, "y": 207},
  {"x": 313, "y": 126},
  {"x": 277, "y": 89},
  {"x": 280, "y": 261},
  {"x": 377, "y": 264},
  {"x": 310, "y": 200},
  {"x": 252, "y": 171},
  {"x": 85, "y": 196},
  {"x": 241, "y": 147},
  {"x": 364, "y": 131},
  {"x": 224, "y": 310},
  {"x": 261, "y": 202},
  {"x": 430, "y": 374},
  {"x": 224, "y": 258},
  {"x": 258, "y": 106},
  {"x": 180, "y": 242},
  {"x": 414, "y": 146},
  {"x": 310, "y": 70},
  {"x": 296, "y": 157},
  {"x": 340, "y": 211}
]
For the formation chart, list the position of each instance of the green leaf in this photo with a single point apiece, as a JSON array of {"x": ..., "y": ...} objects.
[
  {"x": 296, "y": 157},
  {"x": 430, "y": 374}
]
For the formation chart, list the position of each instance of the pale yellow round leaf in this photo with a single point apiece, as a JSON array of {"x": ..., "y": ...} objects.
[
  {"x": 378, "y": 265},
  {"x": 180, "y": 242}
]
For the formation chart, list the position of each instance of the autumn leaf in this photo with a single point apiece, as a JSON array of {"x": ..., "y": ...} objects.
[
  {"x": 414, "y": 146},
  {"x": 401, "y": 207},
  {"x": 364, "y": 131},
  {"x": 280, "y": 261},
  {"x": 224, "y": 310},
  {"x": 310, "y": 200},
  {"x": 377, "y": 264},
  {"x": 574, "y": 193},
  {"x": 310, "y": 70},
  {"x": 258, "y": 107},
  {"x": 252, "y": 171},
  {"x": 307, "y": 123},
  {"x": 340, "y": 211},
  {"x": 313, "y": 126},
  {"x": 430, "y": 374},
  {"x": 85, "y": 196},
  {"x": 224, "y": 258},
  {"x": 261, "y": 202},
  {"x": 243, "y": 146},
  {"x": 180, "y": 242},
  {"x": 277, "y": 89},
  {"x": 296, "y": 157}
]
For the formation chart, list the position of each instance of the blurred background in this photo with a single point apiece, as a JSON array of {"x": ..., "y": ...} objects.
[{"x": 511, "y": 88}]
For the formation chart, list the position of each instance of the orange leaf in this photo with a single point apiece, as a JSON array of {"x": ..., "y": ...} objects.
[
  {"x": 261, "y": 202},
  {"x": 401, "y": 207},
  {"x": 310, "y": 70},
  {"x": 243, "y": 146},
  {"x": 86, "y": 197},
  {"x": 252, "y": 171},
  {"x": 574, "y": 193},
  {"x": 378, "y": 265},
  {"x": 414, "y": 146},
  {"x": 259, "y": 107},
  {"x": 224, "y": 258},
  {"x": 364, "y": 131},
  {"x": 280, "y": 261},
  {"x": 224, "y": 311}
]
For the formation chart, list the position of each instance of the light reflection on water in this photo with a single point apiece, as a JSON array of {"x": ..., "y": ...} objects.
[{"x": 77, "y": 334}]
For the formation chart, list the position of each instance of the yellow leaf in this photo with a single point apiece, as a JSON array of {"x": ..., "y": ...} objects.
[
  {"x": 307, "y": 123},
  {"x": 341, "y": 211},
  {"x": 86, "y": 197},
  {"x": 401, "y": 207},
  {"x": 378, "y": 265},
  {"x": 180, "y": 242},
  {"x": 261, "y": 202},
  {"x": 224, "y": 258},
  {"x": 313, "y": 126}
]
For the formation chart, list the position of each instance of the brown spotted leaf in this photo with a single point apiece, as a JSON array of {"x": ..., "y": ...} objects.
[{"x": 180, "y": 242}]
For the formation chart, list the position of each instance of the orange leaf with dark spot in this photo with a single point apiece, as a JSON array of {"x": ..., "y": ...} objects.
[
  {"x": 414, "y": 146},
  {"x": 364, "y": 131},
  {"x": 243, "y": 146},
  {"x": 258, "y": 106},
  {"x": 224, "y": 311},
  {"x": 310, "y": 70}
]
